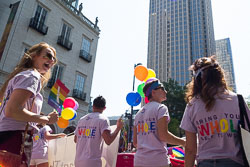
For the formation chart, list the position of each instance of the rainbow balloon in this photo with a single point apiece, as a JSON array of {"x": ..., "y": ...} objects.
[{"x": 178, "y": 152}]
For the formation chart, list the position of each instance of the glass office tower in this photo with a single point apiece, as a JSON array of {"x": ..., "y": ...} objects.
[
  {"x": 225, "y": 58},
  {"x": 180, "y": 31}
]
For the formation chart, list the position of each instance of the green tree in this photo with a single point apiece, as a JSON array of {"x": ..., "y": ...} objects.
[
  {"x": 175, "y": 98},
  {"x": 173, "y": 127},
  {"x": 176, "y": 104}
]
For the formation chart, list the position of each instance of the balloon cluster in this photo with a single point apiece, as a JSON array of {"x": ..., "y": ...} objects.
[
  {"x": 68, "y": 113},
  {"x": 145, "y": 75}
]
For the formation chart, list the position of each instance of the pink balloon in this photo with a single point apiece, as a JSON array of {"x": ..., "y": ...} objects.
[
  {"x": 146, "y": 100},
  {"x": 69, "y": 102}
]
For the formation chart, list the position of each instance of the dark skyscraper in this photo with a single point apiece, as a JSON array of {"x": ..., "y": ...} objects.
[{"x": 180, "y": 31}]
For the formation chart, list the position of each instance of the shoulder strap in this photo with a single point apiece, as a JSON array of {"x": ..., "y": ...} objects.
[{"x": 243, "y": 113}]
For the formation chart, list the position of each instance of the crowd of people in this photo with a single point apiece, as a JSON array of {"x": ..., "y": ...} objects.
[{"x": 210, "y": 119}]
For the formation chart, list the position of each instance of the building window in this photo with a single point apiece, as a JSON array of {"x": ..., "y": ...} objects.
[
  {"x": 86, "y": 45},
  {"x": 79, "y": 87},
  {"x": 85, "y": 50},
  {"x": 79, "y": 84},
  {"x": 63, "y": 39},
  {"x": 38, "y": 21},
  {"x": 25, "y": 49},
  {"x": 56, "y": 74},
  {"x": 65, "y": 32},
  {"x": 40, "y": 15}
]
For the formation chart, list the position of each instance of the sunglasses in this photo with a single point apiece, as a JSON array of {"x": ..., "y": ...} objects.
[
  {"x": 50, "y": 57},
  {"x": 161, "y": 87}
]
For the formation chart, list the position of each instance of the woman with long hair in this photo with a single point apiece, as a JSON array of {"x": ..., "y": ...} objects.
[
  {"x": 212, "y": 114},
  {"x": 22, "y": 101}
]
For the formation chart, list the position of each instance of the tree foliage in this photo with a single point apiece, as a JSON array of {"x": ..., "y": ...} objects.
[
  {"x": 176, "y": 104},
  {"x": 175, "y": 98},
  {"x": 173, "y": 127}
]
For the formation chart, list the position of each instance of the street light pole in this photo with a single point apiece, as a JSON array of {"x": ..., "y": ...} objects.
[{"x": 131, "y": 116}]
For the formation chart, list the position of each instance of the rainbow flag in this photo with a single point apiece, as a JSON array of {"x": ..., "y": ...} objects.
[
  {"x": 178, "y": 152},
  {"x": 58, "y": 94}
]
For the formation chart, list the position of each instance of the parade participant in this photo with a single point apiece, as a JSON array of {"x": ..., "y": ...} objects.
[
  {"x": 90, "y": 131},
  {"x": 212, "y": 114},
  {"x": 151, "y": 134},
  {"x": 39, "y": 156},
  {"x": 22, "y": 101}
]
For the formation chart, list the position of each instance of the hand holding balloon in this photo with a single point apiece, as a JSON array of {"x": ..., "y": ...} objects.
[{"x": 53, "y": 117}]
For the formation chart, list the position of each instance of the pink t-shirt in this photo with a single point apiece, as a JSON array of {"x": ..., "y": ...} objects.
[
  {"x": 40, "y": 144},
  {"x": 150, "y": 150},
  {"x": 89, "y": 139},
  {"x": 216, "y": 129},
  {"x": 27, "y": 80}
]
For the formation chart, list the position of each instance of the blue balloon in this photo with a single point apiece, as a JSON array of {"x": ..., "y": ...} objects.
[
  {"x": 133, "y": 98},
  {"x": 73, "y": 116}
]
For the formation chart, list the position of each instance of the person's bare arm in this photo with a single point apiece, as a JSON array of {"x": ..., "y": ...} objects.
[
  {"x": 135, "y": 137},
  {"x": 15, "y": 109},
  {"x": 110, "y": 137},
  {"x": 165, "y": 135},
  {"x": 190, "y": 149},
  {"x": 49, "y": 136}
]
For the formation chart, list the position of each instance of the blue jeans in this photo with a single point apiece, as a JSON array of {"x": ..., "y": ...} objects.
[{"x": 219, "y": 163}]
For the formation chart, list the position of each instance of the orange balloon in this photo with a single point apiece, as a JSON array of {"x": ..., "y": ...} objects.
[
  {"x": 62, "y": 123},
  {"x": 141, "y": 72}
]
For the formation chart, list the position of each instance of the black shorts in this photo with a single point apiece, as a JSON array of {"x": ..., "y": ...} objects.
[{"x": 11, "y": 141}]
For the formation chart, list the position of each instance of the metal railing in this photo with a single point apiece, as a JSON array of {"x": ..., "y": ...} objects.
[
  {"x": 85, "y": 55},
  {"x": 79, "y": 94},
  {"x": 75, "y": 11},
  {"x": 64, "y": 42}
]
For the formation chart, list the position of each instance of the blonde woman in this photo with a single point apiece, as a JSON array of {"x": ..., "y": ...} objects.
[{"x": 22, "y": 101}]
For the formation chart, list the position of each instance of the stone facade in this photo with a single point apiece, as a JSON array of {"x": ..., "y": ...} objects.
[{"x": 22, "y": 36}]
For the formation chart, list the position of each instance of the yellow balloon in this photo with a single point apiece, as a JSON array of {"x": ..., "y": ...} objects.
[
  {"x": 68, "y": 113},
  {"x": 151, "y": 74}
]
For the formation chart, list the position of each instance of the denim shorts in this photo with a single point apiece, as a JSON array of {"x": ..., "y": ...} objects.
[{"x": 219, "y": 163}]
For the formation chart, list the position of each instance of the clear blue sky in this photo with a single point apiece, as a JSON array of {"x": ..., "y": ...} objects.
[{"x": 123, "y": 43}]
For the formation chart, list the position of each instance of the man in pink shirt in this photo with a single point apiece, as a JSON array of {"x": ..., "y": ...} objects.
[{"x": 89, "y": 134}]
